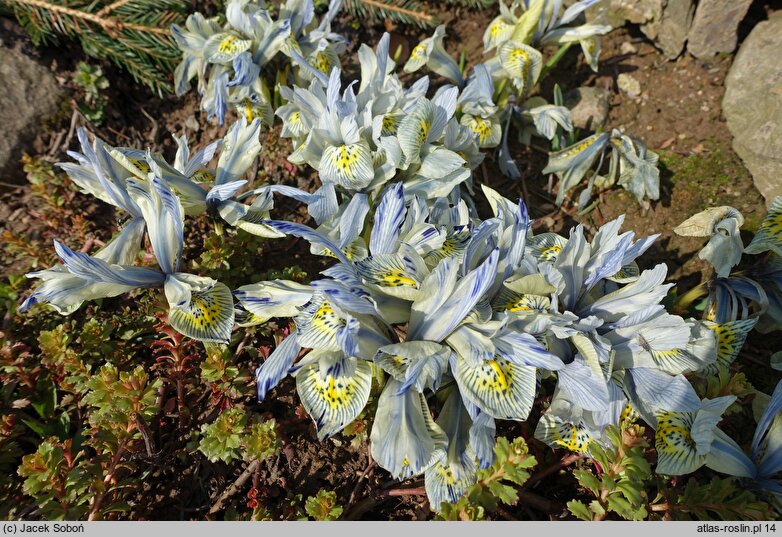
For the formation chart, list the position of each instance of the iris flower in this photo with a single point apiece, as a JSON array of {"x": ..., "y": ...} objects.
[{"x": 199, "y": 307}]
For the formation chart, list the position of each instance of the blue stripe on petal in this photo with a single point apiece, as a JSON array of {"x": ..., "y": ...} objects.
[{"x": 276, "y": 367}]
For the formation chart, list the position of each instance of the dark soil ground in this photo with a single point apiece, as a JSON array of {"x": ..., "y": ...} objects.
[{"x": 678, "y": 114}]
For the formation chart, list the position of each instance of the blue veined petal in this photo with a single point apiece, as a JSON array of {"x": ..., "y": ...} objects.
[
  {"x": 449, "y": 478},
  {"x": 571, "y": 263},
  {"x": 405, "y": 439},
  {"x": 546, "y": 247},
  {"x": 581, "y": 385},
  {"x": 504, "y": 158},
  {"x": 441, "y": 62},
  {"x": 310, "y": 235},
  {"x": 647, "y": 290},
  {"x": 388, "y": 220},
  {"x": 348, "y": 165},
  {"x": 472, "y": 345},
  {"x": 704, "y": 426},
  {"x": 349, "y": 299},
  {"x": 352, "y": 220},
  {"x": 399, "y": 275},
  {"x": 65, "y": 291},
  {"x": 769, "y": 429},
  {"x": 524, "y": 349},
  {"x": 727, "y": 457},
  {"x": 98, "y": 270},
  {"x": 477, "y": 96},
  {"x": 240, "y": 147},
  {"x": 220, "y": 97},
  {"x": 200, "y": 307},
  {"x": 572, "y": 163},
  {"x": 482, "y": 437},
  {"x": 437, "y": 324},
  {"x": 277, "y": 365},
  {"x": 498, "y": 387},
  {"x": 427, "y": 372},
  {"x": 427, "y": 239},
  {"x": 676, "y": 453},
  {"x": 610, "y": 263},
  {"x": 730, "y": 339},
  {"x": 84, "y": 266},
  {"x": 123, "y": 249},
  {"x": 413, "y": 362},
  {"x": 563, "y": 426},
  {"x": 163, "y": 214},
  {"x": 222, "y": 48},
  {"x": 250, "y": 218},
  {"x": 334, "y": 390},
  {"x": 318, "y": 324},
  {"x": 321, "y": 204},
  {"x": 481, "y": 244},
  {"x": 444, "y": 101},
  {"x": 436, "y": 290},
  {"x": 769, "y": 235},
  {"x": 272, "y": 42},
  {"x": 304, "y": 64},
  {"x": 101, "y": 162},
  {"x": 220, "y": 193},
  {"x": 347, "y": 336},
  {"x": 660, "y": 390},
  {"x": 278, "y": 298},
  {"x": 200, "y": 159},
  {"x": 574, "y": 10},
  {"x": 245, "y": 70}
]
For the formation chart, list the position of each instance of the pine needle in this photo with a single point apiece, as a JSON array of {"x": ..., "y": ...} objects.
[
  {"x": 133, "y": 34},
  {"x": 400, "y": 11}
]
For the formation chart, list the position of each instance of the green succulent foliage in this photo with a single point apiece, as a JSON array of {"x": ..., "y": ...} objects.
[
  {"x": 53, "y": 476},
  {"x": 92, "y": 82},
  {"x": 323, "y": 506},
  {"x": 719, "y": 499},
  {"x": 621, "y": 488},
  {"x": 496, "y": 484},
  {"x": 120, "y": 398},
  {"x": 217, "y": 367},
  {"x": 9, "y": 294},
  {"x": 231, "y": 437},
  {"x": 57, "y": 353},
  {"x": 261, "y": 440},
  {"x": 222, "y": 439}
]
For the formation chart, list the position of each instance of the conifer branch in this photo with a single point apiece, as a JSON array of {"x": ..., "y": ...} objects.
[
  {"x": 134, "y": 34},
  {"x": 402, "y": 11}
]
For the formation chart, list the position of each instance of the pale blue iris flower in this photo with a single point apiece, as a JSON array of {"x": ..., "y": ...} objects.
[
  {"x": 199, "y": 307},
  {"x": 632, "y": 166},
  {"x": 229, "y": 61},
  {"x": 363, "y": 136}
]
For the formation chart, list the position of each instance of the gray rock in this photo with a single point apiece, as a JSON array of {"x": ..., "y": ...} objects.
[
  {"x": 665, "y": 22},
  {"x": 629, "y": 85},
  {"x": 753, "y": 105},
  {"x": 715, "y": 27},
  {"x": 641, "y": 12},
  {"x": 588, "y": 107},
  {"x": 30, "y": 94},
  {"x": 674, "y": 27}
]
